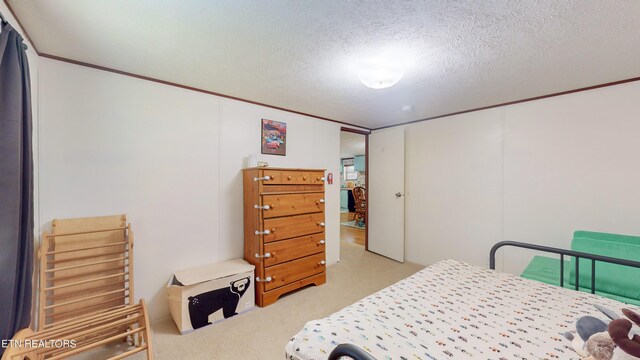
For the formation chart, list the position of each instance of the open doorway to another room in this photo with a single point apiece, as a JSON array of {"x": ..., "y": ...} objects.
[{"x": 353, "y": 187}]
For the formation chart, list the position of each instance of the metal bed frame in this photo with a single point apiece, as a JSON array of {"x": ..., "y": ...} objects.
[
  {"x": 355, "y": 353},
  {"x": 562, "y": 252}
]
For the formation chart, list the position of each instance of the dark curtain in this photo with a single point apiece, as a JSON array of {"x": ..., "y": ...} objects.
[{"x": 16, "y": 185}]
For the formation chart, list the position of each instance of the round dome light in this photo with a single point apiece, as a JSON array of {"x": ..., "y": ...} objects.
[{"x": 380, "y": 72}]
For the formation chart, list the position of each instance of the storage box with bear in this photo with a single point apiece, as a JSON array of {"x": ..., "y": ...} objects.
[{"x": 207, "y": 294}]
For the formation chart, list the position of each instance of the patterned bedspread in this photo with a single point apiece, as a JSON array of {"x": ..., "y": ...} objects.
[{"x": 454, "y": 310}]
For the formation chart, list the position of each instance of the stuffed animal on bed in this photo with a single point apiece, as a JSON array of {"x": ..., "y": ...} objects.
[
  {"x": 591, "y": 349},
  {"x": 619, "y": 330},
  {"x": 598, "y": 340},
  {"x": 599, "y": 346}
]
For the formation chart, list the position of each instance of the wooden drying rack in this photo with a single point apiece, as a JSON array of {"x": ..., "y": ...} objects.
[{"x": 86, "y": 292}]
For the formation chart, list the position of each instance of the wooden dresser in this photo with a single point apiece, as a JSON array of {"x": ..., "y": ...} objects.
[{"x": 284, "y": 229}]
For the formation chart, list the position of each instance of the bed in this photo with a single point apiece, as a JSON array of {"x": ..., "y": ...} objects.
[{"x": 454, "y": 310}]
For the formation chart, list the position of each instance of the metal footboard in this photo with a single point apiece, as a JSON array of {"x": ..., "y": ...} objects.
[
  {"x": 351, "y": 351},
  {"x": 563, "y": 252}
]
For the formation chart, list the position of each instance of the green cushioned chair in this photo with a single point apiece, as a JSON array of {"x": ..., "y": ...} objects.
[{"x": 612, "y": 281}]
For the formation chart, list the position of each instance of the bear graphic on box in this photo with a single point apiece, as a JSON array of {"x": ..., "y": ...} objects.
[{"x": 205, "y": 304}]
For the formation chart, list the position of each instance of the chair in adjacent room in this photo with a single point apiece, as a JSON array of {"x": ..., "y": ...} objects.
[{"x": 360, "y": 203}]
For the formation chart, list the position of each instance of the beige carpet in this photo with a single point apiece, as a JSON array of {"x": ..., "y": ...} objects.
[{"x": 262, "y": 333}]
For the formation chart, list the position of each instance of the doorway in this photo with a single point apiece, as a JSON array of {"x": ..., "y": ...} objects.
[{"x": 353, "y": 187}]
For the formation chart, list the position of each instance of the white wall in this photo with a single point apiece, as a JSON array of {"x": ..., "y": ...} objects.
[
  {"x": 572, "y": 162},
  {"x": 453, "y": 173},
  {"x": 170, "y": 159},
  {"x": 531, "y": 172}
]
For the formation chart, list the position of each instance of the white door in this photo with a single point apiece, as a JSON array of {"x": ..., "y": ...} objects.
[{"x": 386, "y": 193}]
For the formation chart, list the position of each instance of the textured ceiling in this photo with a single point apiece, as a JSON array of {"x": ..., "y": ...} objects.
[{"x": 303, "y": 55}]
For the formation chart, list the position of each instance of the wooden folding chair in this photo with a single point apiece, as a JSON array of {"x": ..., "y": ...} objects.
[
  {"x": 86, "y": 289},
  {"x": 85, "y": 267}
]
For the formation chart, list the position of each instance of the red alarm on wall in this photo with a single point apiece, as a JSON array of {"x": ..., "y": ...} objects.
[{"x": 330, "y": 178}]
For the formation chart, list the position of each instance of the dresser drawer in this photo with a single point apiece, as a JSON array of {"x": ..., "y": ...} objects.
[
  {"x": 286, "y": 250},
  {"x": 294, "y": 270},
  {"x": 293, "y": 226},
  {"x": 317, "y": 177},
  {"x": 275, "y": 177},
  {"x": 296, "y": 177},
  {"x": 292, "y": 204},
  {"x": 287, "y": 177}
]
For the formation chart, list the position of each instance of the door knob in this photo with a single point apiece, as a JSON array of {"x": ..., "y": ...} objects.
[{"x": 399, "y": 194}]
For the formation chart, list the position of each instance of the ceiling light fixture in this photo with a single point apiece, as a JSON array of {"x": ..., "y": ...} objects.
[{"x": 380, "y": 72}]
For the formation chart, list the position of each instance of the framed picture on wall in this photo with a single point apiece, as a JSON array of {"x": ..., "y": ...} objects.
[{"x": 274, "y": 137}]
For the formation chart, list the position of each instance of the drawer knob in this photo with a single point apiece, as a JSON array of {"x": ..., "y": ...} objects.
[
  {"x": 304, "y": 178},
  {"x": 322, "y": 262},
  {"x": 265, "y": 178},
  {"x": 266, "y": 232},
  {"x": 321, "y": 224},
  {"x": 268, "y": 279},
  {"x": 321, "y": 242},
  {"x": 264, "y": 207},
  {"x": 267, "y": 255},
  {"x": 289, "y": 177}
]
